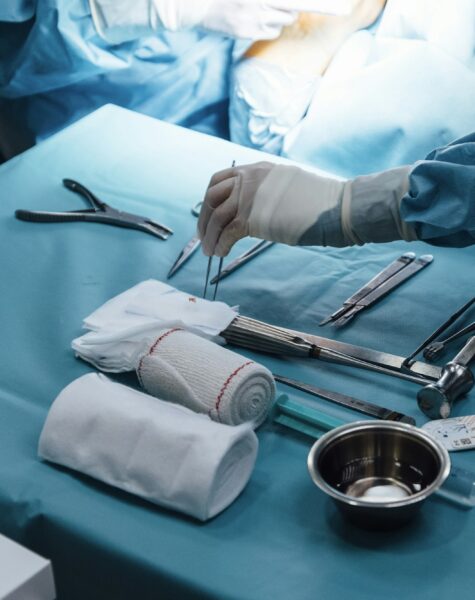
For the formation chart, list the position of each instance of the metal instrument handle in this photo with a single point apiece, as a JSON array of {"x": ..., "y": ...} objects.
[
  {"x": 77, "y": 187},
  {"x": 51, "y": 217},
  {"x": 387, "y": 273},
  {"x": 396, "y": 280},
  {"x": 366, "y": 408},
  {"x": 466, "y": 355},
  {"x": 408, "y": 361},
  {"x": 435, "y": 348}
]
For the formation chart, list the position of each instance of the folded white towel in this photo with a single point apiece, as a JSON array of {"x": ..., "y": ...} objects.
[
  {"x": 192, "y": 371},
  {"x": 123, "y": 328},
  {"x": 157, "y": 450}
]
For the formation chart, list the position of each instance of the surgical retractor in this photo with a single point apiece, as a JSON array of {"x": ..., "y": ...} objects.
[{"x": 435, "y": 348}]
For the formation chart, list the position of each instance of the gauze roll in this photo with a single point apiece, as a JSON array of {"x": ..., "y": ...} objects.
[
  {"x": 187, "y": 369},
  {"x": 159, "y": 451}
]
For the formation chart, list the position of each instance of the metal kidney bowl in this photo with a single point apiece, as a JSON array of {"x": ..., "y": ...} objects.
[{"x": 378, "y": 473}]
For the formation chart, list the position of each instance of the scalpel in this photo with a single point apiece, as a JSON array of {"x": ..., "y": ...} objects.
[
  {"x": 388, "y": 272},
  {"x": 409, "y": 271}
]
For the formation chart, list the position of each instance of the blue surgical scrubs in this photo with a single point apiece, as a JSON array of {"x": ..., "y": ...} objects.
[
  {"x": 440, "y": 203},
  {"x": 55, "y": 68}
]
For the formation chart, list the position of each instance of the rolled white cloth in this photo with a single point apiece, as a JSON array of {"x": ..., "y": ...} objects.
[
  {"x": 192, "y": 371},
  {"x": 159, "y": 451}
]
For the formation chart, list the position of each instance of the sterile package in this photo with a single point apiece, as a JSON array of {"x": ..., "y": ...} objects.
[
  {"x": 159, "y": 451},
  {"x": 457, "y": 433}
]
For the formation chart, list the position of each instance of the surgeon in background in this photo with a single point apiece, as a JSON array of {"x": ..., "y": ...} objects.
[
  {"x": 61, "y": 59},
  {"x": 433, "y": 201}
]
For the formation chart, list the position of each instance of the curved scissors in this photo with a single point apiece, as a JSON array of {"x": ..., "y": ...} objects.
[{"x": 187, "y": 252}]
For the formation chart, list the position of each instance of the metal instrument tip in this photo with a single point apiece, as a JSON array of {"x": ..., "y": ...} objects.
[
  {"x": 218, "y": 277},
  {"x": 208, "y": 270}
]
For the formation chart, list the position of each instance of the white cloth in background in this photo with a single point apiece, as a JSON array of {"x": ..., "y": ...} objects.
[
  {"x": 389, "y": 97},
  {"x": 118, "y": 21},
  {"x": 266, "y": 102},
  {"x": 196, "y": 373},
  {"x": 125, "y": 327},
  {"x": 157, "y": 450}
]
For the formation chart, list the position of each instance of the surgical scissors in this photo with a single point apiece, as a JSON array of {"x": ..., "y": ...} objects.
[
  {"x": 187, "y": 252},
  {"x": 241, "y": 260},
  {"x": 99, "y": 213}
]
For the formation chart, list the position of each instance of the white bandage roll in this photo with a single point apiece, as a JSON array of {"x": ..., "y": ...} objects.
[
  {"x": 187, "y": 369},
  {"x": 157, "y": 450}
]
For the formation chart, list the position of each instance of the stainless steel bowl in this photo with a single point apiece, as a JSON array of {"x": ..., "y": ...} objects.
[{"x": 378, "y": 472}]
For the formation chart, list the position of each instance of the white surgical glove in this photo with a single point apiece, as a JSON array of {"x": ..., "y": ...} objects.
[
  {"x": 249, "y": 19},
  {"x": 123, "y": 20},
  {"x": 262, "y": 20},
  {"x": 289, "y": 205}
]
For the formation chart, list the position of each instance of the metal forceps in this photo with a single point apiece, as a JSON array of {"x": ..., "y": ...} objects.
[
  {"x": 220, "y": 268},
  {"x": 435, "y": 348},
  {"x": 407, "y": 363},
  {"x": 100, "y": 212}
]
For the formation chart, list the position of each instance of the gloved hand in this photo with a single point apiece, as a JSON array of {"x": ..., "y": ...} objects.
[
  {"x": 249, "y": 19},
  {"x": 262, "y": 20},
  {"x": 122, "y": 20},
  {"x": 286, "y": 204}
]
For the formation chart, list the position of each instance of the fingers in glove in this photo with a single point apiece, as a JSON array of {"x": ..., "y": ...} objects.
[
  {"x": 231, "y": 234},
  {"x": 215, "y": 195},
  {"x": 222, "y": 175},
  {"x": 220, "y": 218}
]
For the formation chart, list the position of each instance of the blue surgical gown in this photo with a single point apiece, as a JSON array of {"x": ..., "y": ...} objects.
[
  {"x": 440, "y": 203},
  {"x": 55, "y": 68}
]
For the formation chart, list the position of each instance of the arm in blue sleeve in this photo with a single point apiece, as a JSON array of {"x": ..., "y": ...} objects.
[
  {"x": 17, "y": 11},
  {"x": 440, "y": 203},
  {"x": 58, "y": 46}
]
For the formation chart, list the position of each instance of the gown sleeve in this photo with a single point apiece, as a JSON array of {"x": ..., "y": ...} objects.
[{"x": 440, "y": 203}]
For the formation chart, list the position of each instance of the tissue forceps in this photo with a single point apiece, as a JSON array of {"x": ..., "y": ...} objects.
[
  {"x": 435, "y": 348},
  {"x": 99, "y": 213},
  {"x": 220, "y": 268},
  {"x": 454, "y": 317}
]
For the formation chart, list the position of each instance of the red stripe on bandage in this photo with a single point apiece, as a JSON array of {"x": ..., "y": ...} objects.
[
  {"x": 152, "y": 350},
  {"x": 227, "y": 382}
]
